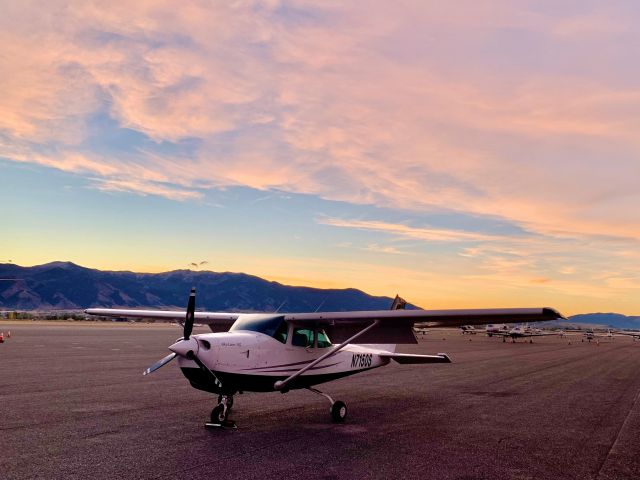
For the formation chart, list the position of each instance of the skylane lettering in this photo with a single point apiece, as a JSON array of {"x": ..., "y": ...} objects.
[{"x": 361, "y": 360}]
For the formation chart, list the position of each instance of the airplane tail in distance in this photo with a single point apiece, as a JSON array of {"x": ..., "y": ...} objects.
[{"x": 399, "y": 303}]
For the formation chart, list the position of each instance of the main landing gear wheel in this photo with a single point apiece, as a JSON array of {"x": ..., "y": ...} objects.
[
  {"x": 338, "y": 408},
  {"x": 338, "y": 411}
]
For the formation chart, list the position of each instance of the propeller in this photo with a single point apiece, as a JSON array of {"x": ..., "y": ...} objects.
[
  {"x": 204, "y": 368},
  {"x": 191, "y": 308},
  {"x": 160, "y": 363},
  {"x": 185, "y": 346}
]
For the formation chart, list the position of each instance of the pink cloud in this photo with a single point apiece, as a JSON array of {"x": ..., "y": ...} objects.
[
  {"x": 426, "y": 234},
  {"x": 394, "y": 106}
]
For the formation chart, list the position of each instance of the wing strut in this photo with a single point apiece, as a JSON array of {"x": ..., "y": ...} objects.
[{"x": 280, "y": 384}]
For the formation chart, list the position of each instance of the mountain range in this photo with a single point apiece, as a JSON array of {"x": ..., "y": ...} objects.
[{"x": 67, "y": 286}]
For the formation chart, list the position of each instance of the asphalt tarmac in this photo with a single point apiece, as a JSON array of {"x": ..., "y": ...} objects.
[{"x": 74, "y": 405}]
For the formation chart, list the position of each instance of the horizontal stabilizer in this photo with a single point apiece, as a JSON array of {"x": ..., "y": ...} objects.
[{"x": 411, "y": 358}]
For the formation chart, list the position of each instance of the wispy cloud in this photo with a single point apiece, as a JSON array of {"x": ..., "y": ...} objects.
[
  {"x": 376, "y": 248},
  {"x": 420, "y": 233}
]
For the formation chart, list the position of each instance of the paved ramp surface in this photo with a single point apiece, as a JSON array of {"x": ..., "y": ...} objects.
[{"x": 74, "y": 405}]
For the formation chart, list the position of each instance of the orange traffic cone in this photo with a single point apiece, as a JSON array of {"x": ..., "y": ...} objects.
[{"x": 1, "y": 337}]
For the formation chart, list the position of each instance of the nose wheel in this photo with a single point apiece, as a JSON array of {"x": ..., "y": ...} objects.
[{"x": 220, "y": 414}]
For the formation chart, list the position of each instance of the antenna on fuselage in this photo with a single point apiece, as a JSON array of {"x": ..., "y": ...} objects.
[
  {"x": 321, "y": 304},
  {"x": 281, "y": 305}
]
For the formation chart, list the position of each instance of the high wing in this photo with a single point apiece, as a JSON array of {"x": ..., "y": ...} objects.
[
  {"x": 394, "y": 326},
  {"x": 218, "y": 322}
]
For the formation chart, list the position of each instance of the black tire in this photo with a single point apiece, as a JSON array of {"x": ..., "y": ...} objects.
[
  {"x": 338, "y": 411},
  {"x": 217, "y": 416}
]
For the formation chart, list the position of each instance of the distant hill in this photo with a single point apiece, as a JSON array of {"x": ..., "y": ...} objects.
[
  {"x": 614, "y": 320},
  {"x": 65, "y": 285}
]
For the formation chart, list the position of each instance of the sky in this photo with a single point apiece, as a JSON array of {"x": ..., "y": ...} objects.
[{"x": 462, "y": 154}]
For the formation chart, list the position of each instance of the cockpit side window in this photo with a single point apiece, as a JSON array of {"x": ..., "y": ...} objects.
[
  {"x": 302, "y": 337},
  {"x": 323, "y": 340},
  {"x": 306, "y": 337}
]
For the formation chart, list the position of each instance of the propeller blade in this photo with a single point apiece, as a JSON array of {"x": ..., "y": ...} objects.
[
  {"x": 159, "y": 364},
  {"x": 204, "y": 368},
  {"x": 191, "y": 308}
]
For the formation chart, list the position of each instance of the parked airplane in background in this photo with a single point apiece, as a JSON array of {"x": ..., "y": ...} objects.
[
  {"x": 634, "y": 335},
  {"x": 521, "y": 331},
  {"x": 422, "y": 331},
  {"x": 468, "y": 330},
  {"x": 281, "y": 352},
  {"x": 591, "y": 335},
  {"x": 493, "y": 329}
]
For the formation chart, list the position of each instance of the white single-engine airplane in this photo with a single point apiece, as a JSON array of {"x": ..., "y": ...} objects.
[
  {"x": 521, "y": 331},
  {"x": 589, "y": 335},
  {"x": 281, "y": 352},
  {"x": 495, "y": 329}
]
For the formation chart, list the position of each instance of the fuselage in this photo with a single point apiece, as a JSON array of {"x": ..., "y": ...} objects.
[{"x": 253, "y": 361}]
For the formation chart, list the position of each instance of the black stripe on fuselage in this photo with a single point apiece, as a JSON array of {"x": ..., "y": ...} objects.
[
  {"x": 234, "y": 382},
  {"x": 282, "y": 365}
]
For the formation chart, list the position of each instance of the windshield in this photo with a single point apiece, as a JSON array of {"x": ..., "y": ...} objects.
[{"x": 274, "y": 327}]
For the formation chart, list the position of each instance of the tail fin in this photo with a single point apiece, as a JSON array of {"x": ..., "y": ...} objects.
[{"x": 399, "y": 303}]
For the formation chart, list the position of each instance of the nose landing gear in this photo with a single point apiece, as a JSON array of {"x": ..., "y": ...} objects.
[{"x": 220, "y": 414}]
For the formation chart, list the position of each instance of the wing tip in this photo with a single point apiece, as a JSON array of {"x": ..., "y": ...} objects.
[
  {"x": 446, "y": 358},
  {"x": 553, "y": 314}
]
